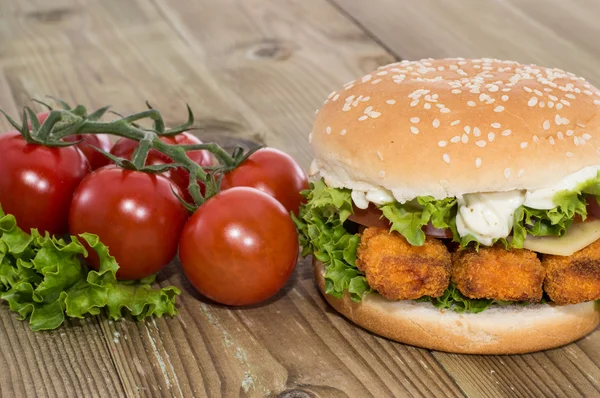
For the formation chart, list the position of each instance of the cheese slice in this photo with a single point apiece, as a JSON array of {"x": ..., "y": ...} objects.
[{"x": 578, "y": 236}]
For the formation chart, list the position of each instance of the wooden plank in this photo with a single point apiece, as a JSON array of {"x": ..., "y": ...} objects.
[
  {"x": 73, "y": 361},
  {"x": 552, "y": 33}
]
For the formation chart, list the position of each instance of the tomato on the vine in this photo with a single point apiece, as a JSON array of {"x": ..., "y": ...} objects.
[
  {"x": 240, "y": 247},
  {"x": 125, "y": 147},
  {"x": 273, "y": 172},
  {"x": 37, "y": 182},
  {"x": 134, "y": 213},
  {"x": 101, "y": 141}
]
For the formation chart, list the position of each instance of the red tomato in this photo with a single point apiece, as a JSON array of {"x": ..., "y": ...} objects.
[
  {"x": 125, "y": 147},
  {"x": 37, "y": 182},
  {"x": 593, "y": 209},
  {"x": 273, "y": 172},
  {"x": 239, "y": 248},
  {"x": 134, "y": 213},
  {"x": 101, "y": 141}
]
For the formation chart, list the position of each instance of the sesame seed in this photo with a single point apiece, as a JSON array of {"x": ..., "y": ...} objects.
[
  {"x": 442, "y": 144},
  {"x": 376, "y": 81},
  {"x": 346, "y": 108},
  {"x": 330, "y": 96},
  {"x": 478, "y": 162},
  {"x": 476, "y": 132},
  {"x": 309, "y": 138},
  {"x": 565, "y": 121},
  {"x": 496, "y": 125},
  {"x": 482, "y": 97},
  {"x": 382, "y": 73},
  {"x": 576, "y": 141},
  {"x": 532, "y": 101},
  {"x": 366, "y": 78},
  {"x": 414, "y": 130},
  {"x": 569, "y": 154},
  {"x": 520, "y": 173},
  {"x": 363, "y": 117},
  {"x": 507, "y": 173},
  {"x": 563, "y": 101},
  {"x": 427, "y": 105},
  {"x": 557, "y": 119},
  {"x": 471, "y": 103},
  {"x": 559, "y": 106},
  {"x": 538, "y": 92},
  {"x": 446, "y": 158},
  {"x": 365, "y": 99},
  {"x": 435, "y": 123},
  {"x": 546, "y": 124},
  {"x": 455, "y": 139},
  {"x": 505, "y": 98},
  {"x": 493, "y": 88},
  {"x": 348, "y": 87},
  {"x": 527, "y": 89},
  {"x": 445, "y": 110},
  {"x": 374, "y": 115},
  {"x": 491, "y": 136},
  {"x": 414, "y": 102},
  {"x": 551, "y": 140},
  {"x": 553, "y": 97},
  {"x": 586, "y": 137},
  {"x": 569, "y": 95},
  {"x": 455, "y": 122},
  {"x": 391, "y": 102},
  {"x": 542, "y": 104},
  {"x": 467, "y": 129},
  {"x": 456, "y": 91},
  {"x": 498, "y": 109},
  {"x": 380, "y": 156},
  {"x": 381, "y": 174},
  {"x": 335, "y": 97},
  {"x": 536, "y": 139},
  {"x": 481, "y": 143},
  {"x": 316, "y": 112},
  {"x": 581, "y": 125},
  {"x": 560, "y": 135},
  {"x": 465, "y": 138},
  {"x": 343, "y": 132},
  {"x": 506, "y": 133},
  {"x": 570, "y": 133},
  {"x": 596, "y": 102},
  {"x": 328, "y": 130},
  {"x": 415, "y": 120},
  {"x": 523, "y": 144}
]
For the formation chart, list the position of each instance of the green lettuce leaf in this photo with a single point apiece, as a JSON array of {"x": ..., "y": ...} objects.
[
  {"x": 43, "y": 279},
  {"x": 409, "y": 218},
  {"x": 321, "y": 233}
]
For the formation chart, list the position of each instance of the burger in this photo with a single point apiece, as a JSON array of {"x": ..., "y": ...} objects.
[{"x": 454, "y": 205}]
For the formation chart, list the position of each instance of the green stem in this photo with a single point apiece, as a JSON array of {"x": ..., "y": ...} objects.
[{"x": 215, "y": 149}]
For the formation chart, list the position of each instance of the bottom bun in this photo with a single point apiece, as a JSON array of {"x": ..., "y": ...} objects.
[{"x": 499, "y": 330}]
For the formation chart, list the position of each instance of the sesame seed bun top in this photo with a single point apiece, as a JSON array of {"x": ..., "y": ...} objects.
[{"x": 454, "y": 126}]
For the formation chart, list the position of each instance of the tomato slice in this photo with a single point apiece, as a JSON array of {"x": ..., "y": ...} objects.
[
  {"x": 369, "y": 217},
  {"x": 372, "y": 217},
  {"x": 593, "y": 209}
]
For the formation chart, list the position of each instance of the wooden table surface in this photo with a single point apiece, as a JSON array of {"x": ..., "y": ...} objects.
[{"x": 255, "y": 71}]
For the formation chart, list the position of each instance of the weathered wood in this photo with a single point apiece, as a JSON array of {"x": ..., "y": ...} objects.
[
  {"x": 254, "y": 71},
  {"x": 552, "y": 33}
]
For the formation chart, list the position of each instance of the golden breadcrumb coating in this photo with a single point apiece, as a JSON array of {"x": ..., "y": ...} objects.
[
  {"x": 400, "y": 271},
  {"x": 495, "y": 273},
  {"x": 573, "y": 279}
]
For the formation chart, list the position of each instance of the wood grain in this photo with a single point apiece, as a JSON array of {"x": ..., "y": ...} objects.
[{"x": 254, "y": 71}]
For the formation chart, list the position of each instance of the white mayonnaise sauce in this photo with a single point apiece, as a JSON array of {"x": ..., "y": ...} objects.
[
  {"x": 542, "y": 198},
  {"x": 487, "y": 216}
]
